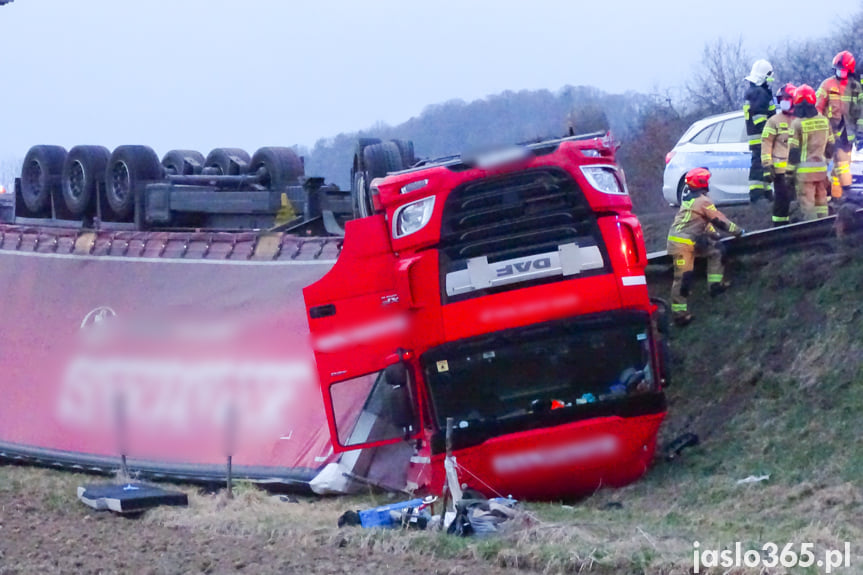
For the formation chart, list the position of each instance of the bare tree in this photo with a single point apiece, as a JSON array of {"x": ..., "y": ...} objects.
[
  {"x": 804, "y": 62},
  {"x": 717, "y": 83},
  {"x": 810, "y": 61}
]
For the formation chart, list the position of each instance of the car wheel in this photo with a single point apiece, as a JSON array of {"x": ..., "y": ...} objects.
[{"x": 680, "y": 187}]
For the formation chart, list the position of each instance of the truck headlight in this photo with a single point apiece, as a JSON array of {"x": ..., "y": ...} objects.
[
  {"x": 413, "y": 217},
  {"x": 603, "y": 179}
]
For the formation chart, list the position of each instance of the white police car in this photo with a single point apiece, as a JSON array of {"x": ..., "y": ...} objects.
[{"x": 720, "y": 144}]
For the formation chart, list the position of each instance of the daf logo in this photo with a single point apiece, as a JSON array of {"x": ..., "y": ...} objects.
[
  {"x": 97, "y": 317},
  {"x": 389, "y": 299},
  {"x": 521, "y": 267}
]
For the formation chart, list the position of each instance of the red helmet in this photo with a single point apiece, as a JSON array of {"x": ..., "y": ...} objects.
[
  {"x": 698, "y": 178},
  {"x": 804, "y": 93},
  {"x": 786, "y": 92},
  {"x": 844, "y": 61}
]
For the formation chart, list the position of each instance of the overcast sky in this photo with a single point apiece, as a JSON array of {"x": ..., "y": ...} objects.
[{"x": 248, "y": 73}]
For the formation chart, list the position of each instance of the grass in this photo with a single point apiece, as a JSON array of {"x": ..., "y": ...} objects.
[{"x": 769, "y": 376}]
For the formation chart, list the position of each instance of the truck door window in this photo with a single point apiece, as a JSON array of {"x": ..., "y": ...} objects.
[{"x": 387, "y": 412}]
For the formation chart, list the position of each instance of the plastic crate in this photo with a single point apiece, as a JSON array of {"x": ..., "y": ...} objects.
[{"x": 382, "y": 517}]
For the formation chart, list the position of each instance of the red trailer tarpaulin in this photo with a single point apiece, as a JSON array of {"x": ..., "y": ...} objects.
[{"x": 176, "y": 350}]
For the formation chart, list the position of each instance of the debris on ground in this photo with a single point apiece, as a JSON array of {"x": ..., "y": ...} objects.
[
  {"x": 679, "y": 443},
  {"x": 414, "y": 513},
  {"x": 129, "y": 497},
  {"x": 752, "y": 479},
  {"x": 472, "y": 516},
  {"x": 481, "y": 516}
]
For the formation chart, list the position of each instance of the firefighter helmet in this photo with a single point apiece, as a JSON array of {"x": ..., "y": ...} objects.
[
  {"x": 844, "y": 60},
  {"x": 698, "y": 179},
  {"x": 786, "y": 92},
  {"x": 762, "y": 71},
  {"x": 804, "y": 93}
]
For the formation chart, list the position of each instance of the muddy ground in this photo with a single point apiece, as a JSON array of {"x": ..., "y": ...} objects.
[
  {"x": 772, "y": 381},
  {"x": 44, "y": 529}
]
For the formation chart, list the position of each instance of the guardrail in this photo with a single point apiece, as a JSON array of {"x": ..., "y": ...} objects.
[{"x": 762, "y": 240}]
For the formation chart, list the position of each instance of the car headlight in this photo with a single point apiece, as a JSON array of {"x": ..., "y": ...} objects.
[
  {"x": 413, "y": 217},
  {"x": 603, "y": 179}
]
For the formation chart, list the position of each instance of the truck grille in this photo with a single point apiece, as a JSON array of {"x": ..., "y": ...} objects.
[{"x": 514, "y": 216}]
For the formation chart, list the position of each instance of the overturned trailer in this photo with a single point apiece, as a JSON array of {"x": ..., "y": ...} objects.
[{"x": 502, "y": 291}]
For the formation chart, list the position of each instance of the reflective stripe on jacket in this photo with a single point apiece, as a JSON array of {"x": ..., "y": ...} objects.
[
  {"x": 841, "y": 101},
  {"x": 697, "y": 217},
  {"x": 774, "y": 142},
  {"x": 757, "y": 107},
  {"x": 809, "y": 147}
]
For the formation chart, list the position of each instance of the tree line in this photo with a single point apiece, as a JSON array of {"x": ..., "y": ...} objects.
[{"x": 646, "y": 125}]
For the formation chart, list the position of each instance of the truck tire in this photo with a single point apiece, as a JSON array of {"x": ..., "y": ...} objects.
[
  {"x": 83, "y": 169},
  {"x": 129, "y": 170},
  {"x": 183, "y": 162},
  {"x": 283, "y": 167},
  {"x": 378, "y": 159},
  {"x": 406, "y": 149},
  {"x": 40, "y": 176},
  {"x": 228, "y": 161},
  {"x": 362, "y": 143},
  {"x": 358, "y": 191}
]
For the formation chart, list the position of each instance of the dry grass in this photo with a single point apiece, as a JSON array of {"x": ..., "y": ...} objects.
[{"x": 771, "y": 380}]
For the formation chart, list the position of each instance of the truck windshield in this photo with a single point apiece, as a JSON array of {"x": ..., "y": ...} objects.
[{"x": 542, "y": 374}]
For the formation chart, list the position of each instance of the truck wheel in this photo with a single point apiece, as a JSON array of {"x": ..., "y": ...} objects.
[
  {"x": 129, "y": 170},
  {"x": 183, "y": 162},
  {"x": 83, "y": 169},
  {"x": 362, "y": 143},
  {"x": 406, "y": 149},
  {"x": 358, "y": 191},
  {"x": 283, "y": 167},
  {"x": 228, "y": 161},
  {"x": 378, "y": 159},
  {"x": 40, "y": 176}
]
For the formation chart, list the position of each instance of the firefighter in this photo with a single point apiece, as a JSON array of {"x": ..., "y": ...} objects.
[
  {"x": 774, "y": 154},
  {"x": 757, "y": 107},
  {"x": 840, "y": 98},
  {"x": 810, "y": 145},
  {"x": 694, "y": 233}
]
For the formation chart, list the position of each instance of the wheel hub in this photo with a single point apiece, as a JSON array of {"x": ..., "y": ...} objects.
[
  {"x": 33, "y": 176},
  {"x": 121, "y": 183},
  {"x": 77, "y": 179}
]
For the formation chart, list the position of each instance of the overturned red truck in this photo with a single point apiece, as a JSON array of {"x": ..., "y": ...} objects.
[{"x": 502, "y": 291}]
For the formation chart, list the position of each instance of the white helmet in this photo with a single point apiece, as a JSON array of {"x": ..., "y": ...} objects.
[{"x": 762, "y": 71}]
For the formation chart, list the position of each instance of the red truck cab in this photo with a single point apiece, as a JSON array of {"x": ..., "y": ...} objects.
[{"x": 504, "y": 291}]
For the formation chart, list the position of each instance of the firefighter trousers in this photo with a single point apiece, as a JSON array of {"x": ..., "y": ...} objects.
[
  {"x": 756, "y": 175},
  {"x": 783, "y": 194},
  {"x": 683, "y": 256},
  {"x": 841, "y": 175},
  {"x": 812, "y": 196}
]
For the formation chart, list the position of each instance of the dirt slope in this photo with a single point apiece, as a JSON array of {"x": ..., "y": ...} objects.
[{"x": 770, "y": 376}]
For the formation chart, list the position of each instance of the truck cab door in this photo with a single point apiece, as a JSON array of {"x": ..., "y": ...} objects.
[{"x": 359, "y": 325}]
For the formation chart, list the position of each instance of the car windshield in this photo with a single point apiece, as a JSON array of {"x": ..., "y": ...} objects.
[{"x": 570, "y": 366}]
